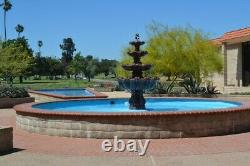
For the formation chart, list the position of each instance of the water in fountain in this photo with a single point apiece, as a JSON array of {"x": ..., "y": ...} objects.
[{"x": 137, "y": 84}]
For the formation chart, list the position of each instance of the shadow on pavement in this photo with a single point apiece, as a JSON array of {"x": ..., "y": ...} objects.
[{"x": 14, "y": 150}]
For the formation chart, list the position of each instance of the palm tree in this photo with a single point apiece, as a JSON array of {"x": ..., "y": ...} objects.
[
  {"x": 19, "y": 28},
  {"x": 6, "y": 7},
  {"x": 40, "y": 44}
]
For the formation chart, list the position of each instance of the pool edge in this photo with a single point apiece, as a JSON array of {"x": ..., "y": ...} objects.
[{"x": 96, "y": 94}]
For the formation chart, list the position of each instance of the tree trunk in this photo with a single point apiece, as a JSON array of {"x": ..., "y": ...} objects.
[
  {"x": 10, "y": 80},
  {"x": 5, "y": 33},
  {"x": 68, "y": 75},
  {"x": 170, "y": 85},
  {"x": 20, "y": 79},
  {"x": 89, "y": 79}
]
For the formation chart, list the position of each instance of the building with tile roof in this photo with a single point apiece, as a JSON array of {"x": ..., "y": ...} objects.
[{"x": 235, "y": 48}]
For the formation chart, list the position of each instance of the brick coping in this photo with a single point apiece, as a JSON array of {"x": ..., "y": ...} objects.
[
  {"x": 27, "y": 109},
  {"x": 96, "y": 94}
]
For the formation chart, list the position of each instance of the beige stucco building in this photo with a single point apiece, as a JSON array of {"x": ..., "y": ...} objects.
[{"x": 235, "y": 48}]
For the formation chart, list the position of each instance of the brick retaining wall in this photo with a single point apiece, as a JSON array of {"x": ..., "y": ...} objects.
[{"x": 135, "y": 125}]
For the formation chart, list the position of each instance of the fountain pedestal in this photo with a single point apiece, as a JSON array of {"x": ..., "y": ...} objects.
[
  {"x": 137, "y": 100},
  {"x": 137, "y": 84}
]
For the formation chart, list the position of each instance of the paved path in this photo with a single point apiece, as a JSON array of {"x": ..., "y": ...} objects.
[
  {"x": 42, "y": 98},
  {"x": 117, "y": 94},
  {"x": 37, "y": 159},
  {"x": 35, "y": 149}
]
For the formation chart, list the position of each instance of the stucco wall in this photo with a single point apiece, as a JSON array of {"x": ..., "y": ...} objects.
[
  {"x": 218, "y": 81},
  {"x": 233, "y": 64},
  {"x": 231, "y": 76},
  {"x": 218, "y": 78}
]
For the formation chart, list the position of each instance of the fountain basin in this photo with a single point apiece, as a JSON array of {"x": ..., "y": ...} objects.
[{"x": 76, "y": 119}]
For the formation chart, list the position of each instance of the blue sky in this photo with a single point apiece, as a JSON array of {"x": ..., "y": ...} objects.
[{"x": 103, "y": 27}]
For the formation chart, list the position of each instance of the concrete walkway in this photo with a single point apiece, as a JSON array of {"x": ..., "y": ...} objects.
[
  {"x": 117, "y": 94},
  {"x": 36, "y": 159},
  {"x": 42, "y": 98},
  {"x": 40, "y": 150}
]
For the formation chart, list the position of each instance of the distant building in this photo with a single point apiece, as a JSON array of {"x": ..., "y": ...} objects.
[{"x": 235, "y": 48}]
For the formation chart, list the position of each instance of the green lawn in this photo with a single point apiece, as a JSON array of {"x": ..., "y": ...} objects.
[
  {"x": 50, "y": 84},
  {"x": 103, "y": 77}
]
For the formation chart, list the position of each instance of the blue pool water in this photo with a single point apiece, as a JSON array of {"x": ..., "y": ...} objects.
[
  {"x": 122, "y": 105},
  {"x": 67, "y": 92}
]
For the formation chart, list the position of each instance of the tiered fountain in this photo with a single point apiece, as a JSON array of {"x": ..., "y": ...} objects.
[
  {"x": 109, "y": 118},
  {"x": 137, "y": 84}
]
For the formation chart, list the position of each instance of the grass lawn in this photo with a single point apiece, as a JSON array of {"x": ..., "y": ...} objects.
[
  {"x": 50, "y": 84},
  {"x": 103, "y": 77}
]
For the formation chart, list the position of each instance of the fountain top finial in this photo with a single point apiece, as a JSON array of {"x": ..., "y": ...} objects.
[
  {"x": 137, "y": 43},
  {"x": 137, "y": 37}
]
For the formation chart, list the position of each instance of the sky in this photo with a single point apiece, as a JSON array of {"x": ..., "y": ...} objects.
[{"x": 102, "y": 28}]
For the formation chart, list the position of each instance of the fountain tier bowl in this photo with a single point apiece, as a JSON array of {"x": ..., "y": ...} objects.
[
  {"x": 106, "y": 118},
  {"x": 138, "y": 53},
  {"x": 136, "y": 67},
  {"x": 137, "y": 84}
]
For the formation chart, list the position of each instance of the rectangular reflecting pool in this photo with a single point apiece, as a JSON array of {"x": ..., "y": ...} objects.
[{"x": 69, "y": 93}]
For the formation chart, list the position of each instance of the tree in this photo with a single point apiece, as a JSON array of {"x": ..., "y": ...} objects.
[
  {"x": 55, "y": 67},
  {"x": 47, "y": 66},
  {"x": 68, "y": 49},
  {"x": 107, "y": 66},
  {"x": 6, "y": 7},
  {"x": 125, "y": 59},
  {"x": 77, "y": 65},
  {"x": 90, "y": 67},
  {"x": 19, "y": 29},
  {"x": 41, "y": 63},
  {"x": 40, "y": 44},
  {"x": 41, "y": 66},
  {"x": 177, "y": 52},
  {"x": 16, "y": 59}
]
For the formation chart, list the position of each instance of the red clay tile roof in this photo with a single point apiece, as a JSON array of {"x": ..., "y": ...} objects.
[
  {"x": 217, "y": 41},
  {"x": 232, "y": 35}
]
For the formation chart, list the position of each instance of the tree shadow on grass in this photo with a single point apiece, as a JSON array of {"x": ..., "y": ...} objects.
[{"x": 14, "y": 150}]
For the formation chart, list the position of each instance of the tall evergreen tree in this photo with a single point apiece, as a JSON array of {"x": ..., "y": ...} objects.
[{"x": 68, "y": 49}]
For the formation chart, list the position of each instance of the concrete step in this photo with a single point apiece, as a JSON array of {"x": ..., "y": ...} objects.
[{"x": 229, "y": 89}]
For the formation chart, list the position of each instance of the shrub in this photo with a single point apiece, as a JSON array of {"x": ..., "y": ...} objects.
[
  {"x": 118, "y": 88},
  {"x": 211, "y": 90},
  {"x": 191, "y": 85},
  {"x": 7, "y": 91},
  {"x": 162, "y": 88}
]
